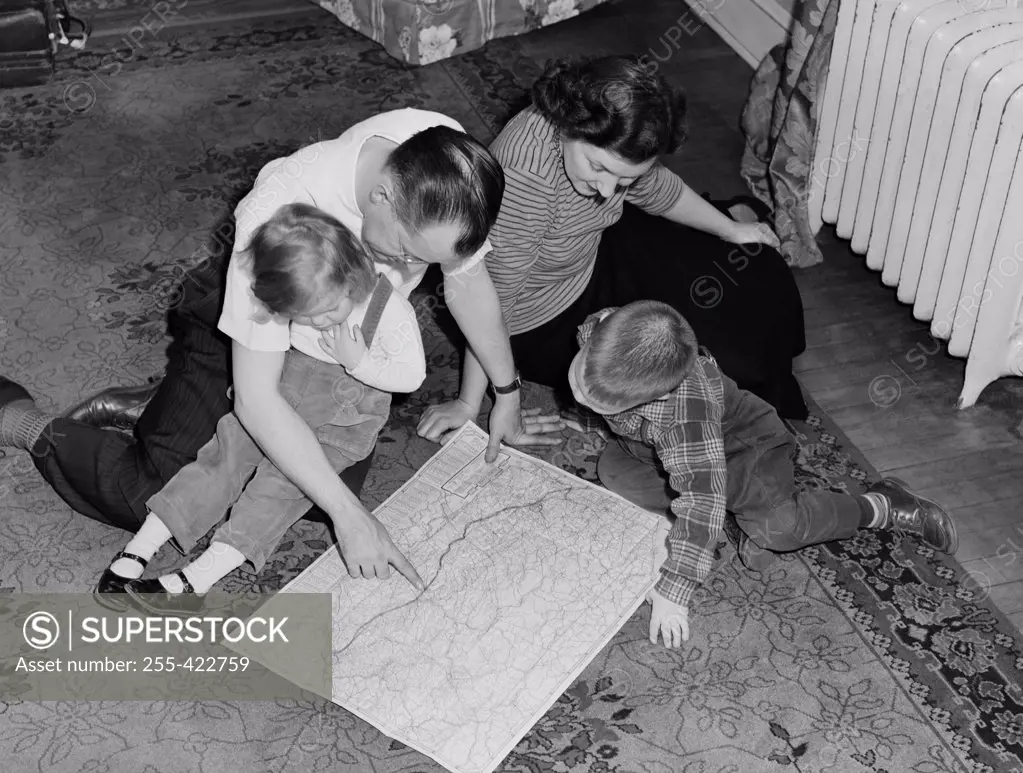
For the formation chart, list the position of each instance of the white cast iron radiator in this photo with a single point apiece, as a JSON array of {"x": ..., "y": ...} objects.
[{"x": 918, "y": 163}]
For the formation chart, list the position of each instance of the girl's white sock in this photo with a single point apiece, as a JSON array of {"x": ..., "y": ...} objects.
[
  {"x": 150, "y": 538},
  {"x": 218, "y": 561}
]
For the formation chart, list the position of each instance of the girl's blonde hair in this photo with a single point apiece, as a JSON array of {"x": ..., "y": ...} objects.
[{"x": 300, "y": 254}]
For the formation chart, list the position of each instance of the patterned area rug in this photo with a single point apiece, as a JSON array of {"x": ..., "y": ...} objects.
[{"x": 871, "y": 655}]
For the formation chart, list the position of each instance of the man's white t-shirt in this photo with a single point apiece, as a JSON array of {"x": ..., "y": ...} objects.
[{"x": 322, "y": 175}]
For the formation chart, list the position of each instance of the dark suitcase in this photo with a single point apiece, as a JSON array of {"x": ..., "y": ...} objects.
[{"x": 31, "y": 32}]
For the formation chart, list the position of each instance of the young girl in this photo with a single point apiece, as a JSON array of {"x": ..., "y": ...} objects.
[{"x": 350, "y": 343}]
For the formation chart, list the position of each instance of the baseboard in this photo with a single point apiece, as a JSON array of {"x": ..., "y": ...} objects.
[{"x": 751, "y": 28}]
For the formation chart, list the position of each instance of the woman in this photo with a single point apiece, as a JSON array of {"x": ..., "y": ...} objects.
[{"x": 591, "y": 219}]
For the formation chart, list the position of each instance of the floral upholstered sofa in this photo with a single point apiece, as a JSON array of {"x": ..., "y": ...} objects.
[{"x": 424, "y": 31}]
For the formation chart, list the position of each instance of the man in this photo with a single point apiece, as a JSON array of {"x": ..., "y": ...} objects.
[{"x": 418, "y": 190}]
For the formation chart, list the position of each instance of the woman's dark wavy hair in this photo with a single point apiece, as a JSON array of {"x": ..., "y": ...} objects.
[
  {"x": 617, "y": 103},
  {"x": 445, "y": 176}
]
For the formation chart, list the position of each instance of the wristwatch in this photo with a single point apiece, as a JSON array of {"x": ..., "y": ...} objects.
[{"x": 512, "y": 387}]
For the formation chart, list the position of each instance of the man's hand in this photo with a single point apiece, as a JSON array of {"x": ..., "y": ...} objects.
[
  {"x": 369, "y": 552},
  {"x": 346, "y": 347},
  {"x": 668, "y": 619},
  {"x": 753, "y": 233}
]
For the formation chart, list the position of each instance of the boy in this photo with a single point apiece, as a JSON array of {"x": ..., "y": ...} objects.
[{"x": 677, "y": 416}]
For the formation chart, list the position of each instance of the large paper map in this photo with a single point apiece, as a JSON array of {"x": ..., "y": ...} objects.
[{"x": 529, "y": 571}]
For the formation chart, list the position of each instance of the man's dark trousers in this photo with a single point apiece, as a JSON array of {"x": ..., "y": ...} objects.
[{"x": 108, "y": 475}]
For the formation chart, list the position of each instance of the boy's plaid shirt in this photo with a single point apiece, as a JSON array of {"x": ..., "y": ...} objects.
[{"x": 686, "y": 431}]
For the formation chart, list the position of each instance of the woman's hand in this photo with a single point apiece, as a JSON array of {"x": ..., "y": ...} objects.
[
  {"x": 752, "y": 233},
  {"x": 348, "y": 348},
  {"x": 530, "y": 427}
]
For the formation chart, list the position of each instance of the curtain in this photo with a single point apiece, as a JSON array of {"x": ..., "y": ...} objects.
[{"x": 779, "y": 122}]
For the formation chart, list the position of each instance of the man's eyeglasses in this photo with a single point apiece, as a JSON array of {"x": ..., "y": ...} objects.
[
  {"x": 402, "y": 255},
  {"x": 405, "y": 258},
  {"x": 396, "y": 257}
]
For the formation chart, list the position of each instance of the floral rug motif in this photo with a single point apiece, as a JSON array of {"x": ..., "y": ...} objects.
[{"x": 867, "y": 655}]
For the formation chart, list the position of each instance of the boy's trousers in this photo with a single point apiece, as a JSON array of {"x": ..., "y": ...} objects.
[
  {"x": 761, "y": 485},
  {"x": 231, "y": 470}
]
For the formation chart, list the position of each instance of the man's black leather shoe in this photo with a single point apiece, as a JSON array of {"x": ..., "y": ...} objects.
[{"x": 117, "y": 407}]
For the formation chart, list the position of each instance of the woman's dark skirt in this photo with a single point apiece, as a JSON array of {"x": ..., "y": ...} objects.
[{"x": 741, "y": 301}]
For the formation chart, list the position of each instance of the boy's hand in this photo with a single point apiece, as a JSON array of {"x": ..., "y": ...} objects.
[
  {"x": 346, "y": 347},
  {"x": 669, "y": 619},
  {"x": 753, "y": 233},
  {"x": 576, "y": 423}
]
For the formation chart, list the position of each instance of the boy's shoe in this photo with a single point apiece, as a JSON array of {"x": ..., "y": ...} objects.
[
  {"x": 109, "y": 591},
  {"x": 735, "y": 536},
  {"x": 751, "y": 555},
  {"x": 151, "y": 596},
  {"x": 910, "y": 513}
]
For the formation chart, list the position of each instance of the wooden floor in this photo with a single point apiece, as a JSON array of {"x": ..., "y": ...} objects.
[
  {"x": 893, "y": 389},
  {"x": 869, "y": 363}
]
